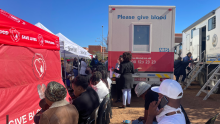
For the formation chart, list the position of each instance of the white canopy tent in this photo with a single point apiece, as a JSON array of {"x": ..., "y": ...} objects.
[{"x": 68, "y": 47}]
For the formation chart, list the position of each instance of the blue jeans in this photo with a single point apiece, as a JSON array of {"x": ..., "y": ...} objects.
[{"x": 75, "y": 71}]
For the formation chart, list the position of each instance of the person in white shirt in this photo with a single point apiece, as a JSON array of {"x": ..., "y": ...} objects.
[
  {"x": 171, "y": 113},
  {"x": 83, "y": 67},
  {"x": 98, "y": 85},
  {"x": 68, "y": 66}
]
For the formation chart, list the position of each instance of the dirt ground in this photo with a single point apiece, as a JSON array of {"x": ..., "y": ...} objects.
[{"x": 198, "y": 111}]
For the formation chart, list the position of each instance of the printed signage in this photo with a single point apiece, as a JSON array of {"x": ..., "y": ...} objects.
[{"x": 142, "y": 17}]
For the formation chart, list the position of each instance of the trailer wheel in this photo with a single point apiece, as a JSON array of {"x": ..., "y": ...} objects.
[
  {"x": 202, "y": 78},
  {"x": 213, "y": 84}
]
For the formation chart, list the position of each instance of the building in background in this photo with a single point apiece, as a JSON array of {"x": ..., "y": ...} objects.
[
  {"x": 86, "y": 48},
  {"x": 178, "y": 46},
  {"x": 97, "y": 50},
  {"x": 178, "y": 38}
]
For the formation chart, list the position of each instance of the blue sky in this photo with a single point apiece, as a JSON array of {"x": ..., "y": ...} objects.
[{"x": 81, "y": 20}]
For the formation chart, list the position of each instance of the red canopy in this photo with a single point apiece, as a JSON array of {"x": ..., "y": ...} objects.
[
  {"x": 14, "y": 31},
  {"x": 29, "y": 56}
]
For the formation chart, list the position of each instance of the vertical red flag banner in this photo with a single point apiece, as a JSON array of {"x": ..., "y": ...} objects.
[{"x": 29, "y": 56}]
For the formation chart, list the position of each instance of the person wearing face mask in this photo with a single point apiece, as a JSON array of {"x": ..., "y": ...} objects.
[
  {"x": 171, "y": 113},
  {"x": 87, "y": 100}
]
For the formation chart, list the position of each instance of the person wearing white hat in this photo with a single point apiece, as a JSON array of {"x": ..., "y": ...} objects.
[
  {"x": 171, "y": 113},
  {"x": 144, "y": 91}
]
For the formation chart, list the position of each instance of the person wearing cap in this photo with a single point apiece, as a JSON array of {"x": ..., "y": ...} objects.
[
  {"x": 144, "y": 91},
  {"x": 171, "y": 113},
  {"x": 87, "y": 100},
  {"x": 60, "y": 111}
]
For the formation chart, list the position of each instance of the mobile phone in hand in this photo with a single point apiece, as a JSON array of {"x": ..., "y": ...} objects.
[{"x": 163, "y": 102}]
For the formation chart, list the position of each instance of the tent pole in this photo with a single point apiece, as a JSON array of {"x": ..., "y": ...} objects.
[
  {"x": 65, "y": 64},
  {"x": 78, "y": 64},
  {"x": 61, "y": 66}
]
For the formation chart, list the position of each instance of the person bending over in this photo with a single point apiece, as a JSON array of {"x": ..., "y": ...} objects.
[
  {"x": 144, "y": 91},
  {"x": 180, "y": 69},
  {"x": 87, "y": 100},
  {"x": 97, "y": 84},
  {"x": 60, "y": 111}
]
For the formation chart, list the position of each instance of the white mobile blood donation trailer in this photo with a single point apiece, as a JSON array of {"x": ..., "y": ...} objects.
[
  {"x": 201, "y": 38},
  {"x": 148, "y": 33}
]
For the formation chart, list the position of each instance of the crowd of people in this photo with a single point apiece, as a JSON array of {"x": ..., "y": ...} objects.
[
  {"x": 89, "y": 87},
  {"x": 92, "y": 85}
]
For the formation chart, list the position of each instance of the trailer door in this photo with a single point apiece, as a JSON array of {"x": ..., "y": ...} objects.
[
  {"x": 195, "y": 43},
  {"x": 187, "y": 43}
]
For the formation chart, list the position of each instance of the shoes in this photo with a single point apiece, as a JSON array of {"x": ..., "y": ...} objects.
[
  {"x": 122, "y": 107},
  {"x": 184, "y": 83},
  {"x": 128, "y": 105},
  {"x": 118, "y": 101}
]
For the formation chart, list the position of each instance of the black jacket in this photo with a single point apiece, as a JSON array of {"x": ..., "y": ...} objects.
[
  {"x": 126, "y": 70},
  {"x": 75, "y": 64},
  {"x": 180, "y": 67}
]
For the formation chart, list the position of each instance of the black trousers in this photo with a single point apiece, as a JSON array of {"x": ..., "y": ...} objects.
[
  {"x": 119, "y": 91},
  {"x": 178, "y": 76}
]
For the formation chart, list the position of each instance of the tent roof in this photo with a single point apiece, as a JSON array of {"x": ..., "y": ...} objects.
[
  {"x": 17, "y": 32},
  {"x": 43, "y": 27}
]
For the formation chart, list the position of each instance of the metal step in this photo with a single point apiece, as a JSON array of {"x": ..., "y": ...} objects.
[
  {"x": 211, "y": 86},
  {"x": 217, "y": 74},
  {"x": 214, "y": 80},
  {"x": 205, "y": 91}
]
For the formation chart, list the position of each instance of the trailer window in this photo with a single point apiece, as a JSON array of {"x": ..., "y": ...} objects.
[
  {"x": 141, "y": 38},
  {"x": 212, "y": 23},
  {"x": 192, "y": 32}
]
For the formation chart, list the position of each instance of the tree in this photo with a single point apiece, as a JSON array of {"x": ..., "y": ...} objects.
[
  {"x": 105, "y": 43},
  {"x": 98, "y": 53}
]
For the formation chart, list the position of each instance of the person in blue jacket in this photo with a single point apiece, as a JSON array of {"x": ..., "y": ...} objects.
[{"x": 180, "y": 68}]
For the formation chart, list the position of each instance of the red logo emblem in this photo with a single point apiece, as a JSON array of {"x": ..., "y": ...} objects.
[
  {"x": 39, "y": 65},
  {"x": 15, "y": 35},
  {"x": 40, "y": 39}
]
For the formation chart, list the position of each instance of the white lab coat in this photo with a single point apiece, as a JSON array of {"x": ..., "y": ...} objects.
[{"x": 83, "y": 68}]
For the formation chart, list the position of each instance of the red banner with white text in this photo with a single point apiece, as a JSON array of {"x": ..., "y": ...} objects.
[
  {"x": 29, "y": 56},
  {"x": 15, "y": 31},
  {"x": 22, "y": 69},
  {"x": 149, "y": 62}
]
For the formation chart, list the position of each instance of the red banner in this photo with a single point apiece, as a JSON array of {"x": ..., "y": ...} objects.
[
  {"x": 149, "y": 62},
  {"x": 15, "y": 31},
  {"x": 22, "y": 69}
]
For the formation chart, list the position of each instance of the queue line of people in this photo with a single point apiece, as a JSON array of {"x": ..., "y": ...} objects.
[
  {"x": 90, "y": 89},
  {"x": 88, "y": 92}
]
